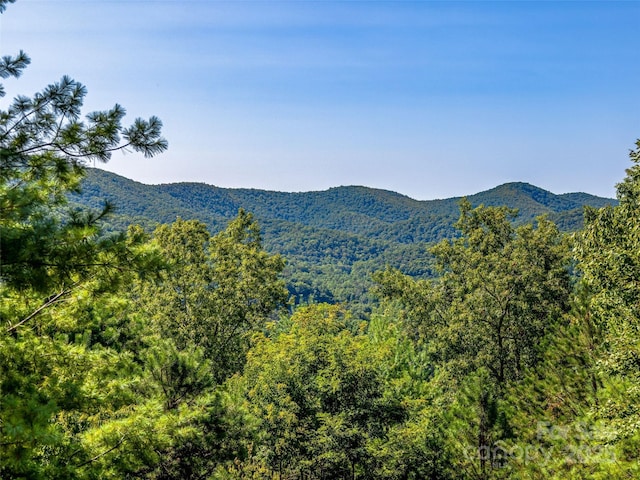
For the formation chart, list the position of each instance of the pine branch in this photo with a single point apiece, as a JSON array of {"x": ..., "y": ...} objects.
[
  {"x": 50, "y": 301},
  {"x": 100, "y": 455}
]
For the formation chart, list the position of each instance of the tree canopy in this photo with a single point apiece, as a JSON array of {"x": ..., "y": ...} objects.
[{"x": 176, "y": 352}]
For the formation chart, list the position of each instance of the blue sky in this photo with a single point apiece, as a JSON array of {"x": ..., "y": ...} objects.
[{"x": 430, "y": 99}]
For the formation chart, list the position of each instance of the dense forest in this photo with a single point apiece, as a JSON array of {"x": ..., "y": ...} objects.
[
  {"x": 334, "y": 240},
  {"x": 176, "y": 351}
]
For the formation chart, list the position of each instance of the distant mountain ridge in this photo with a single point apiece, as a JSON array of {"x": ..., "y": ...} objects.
[
  {"x": 328, "y": 237},
  {"x": 353, "y": 209}
]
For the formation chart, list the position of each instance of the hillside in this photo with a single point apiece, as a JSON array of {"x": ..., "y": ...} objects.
[{"x": 332, "y": 239}]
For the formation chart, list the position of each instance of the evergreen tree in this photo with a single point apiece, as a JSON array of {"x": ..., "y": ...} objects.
[
  {"x": 608, "y": 252},
  {"x": 60, "y": 372}
]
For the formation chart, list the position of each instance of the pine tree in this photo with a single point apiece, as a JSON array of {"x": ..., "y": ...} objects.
[{"x": 62, "y": 367}]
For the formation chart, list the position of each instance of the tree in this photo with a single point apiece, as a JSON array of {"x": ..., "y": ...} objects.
[
  {"x": 483, "y": 321},
  {"x": 188, "y": 331},
  {"x": 500, "y": 290},
  {"x": 43, "y": 150},
  {"x": 61, "y": 369},
  {"x": 318, "y": 391},
  {"x": 414, "y": 448},
  {"x": 577, "y": 415},
  {"x": 608, "y": 254},
  {"x": 216, "y": 290}
]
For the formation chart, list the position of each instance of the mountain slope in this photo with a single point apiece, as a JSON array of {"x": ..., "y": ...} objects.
[{"x": 331, "y": 239}]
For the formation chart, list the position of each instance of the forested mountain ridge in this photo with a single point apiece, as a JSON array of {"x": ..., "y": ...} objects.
[
  {"x": 332, "y": 240},
  {"x": 379, "y": 214}
]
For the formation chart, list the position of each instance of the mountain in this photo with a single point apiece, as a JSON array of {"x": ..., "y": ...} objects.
[{"x": 332, "y": 239}]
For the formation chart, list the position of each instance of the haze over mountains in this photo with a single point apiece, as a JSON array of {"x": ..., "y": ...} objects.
[{"x": 332, "y": 239}]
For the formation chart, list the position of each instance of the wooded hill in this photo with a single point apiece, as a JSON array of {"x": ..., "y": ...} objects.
[
  {"x": 175, "y": 354},
  {"x": 332, "y": 240}
]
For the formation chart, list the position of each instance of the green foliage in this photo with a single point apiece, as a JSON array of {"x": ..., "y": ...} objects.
[
  {"x": 87, "y": 389},
  {"x": 167, "y": 355},
  {"x": 500, "y": 290},
  {"x": 482, "y": 322},
  {"x": 60, "y": 378},
  {"x": 333, "y": 240},
  {"x": 607, "y": 252},
  {"x": 43, "y": 149},
  {"x": 317, "y": 388},
  {"x": 576, "y": 413},
  {"x": 215, "y": 291}
]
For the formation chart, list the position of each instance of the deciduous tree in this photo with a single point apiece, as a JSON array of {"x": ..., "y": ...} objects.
[{"x": 216, "y": 290}]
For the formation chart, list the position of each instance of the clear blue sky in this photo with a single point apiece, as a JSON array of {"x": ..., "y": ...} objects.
[{"x": 430, "y": 99}]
